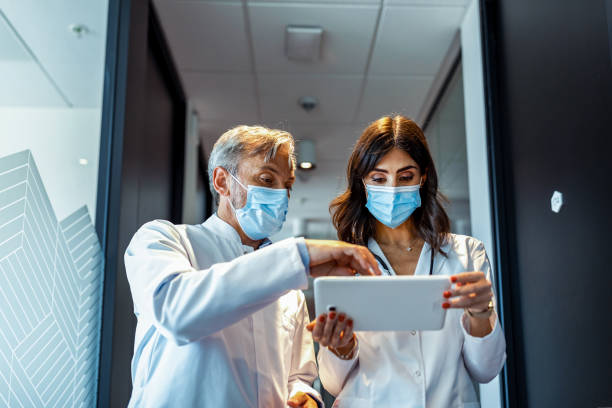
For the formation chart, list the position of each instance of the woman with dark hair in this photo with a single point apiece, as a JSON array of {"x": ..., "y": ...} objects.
[{"x": 393, "y": 206}]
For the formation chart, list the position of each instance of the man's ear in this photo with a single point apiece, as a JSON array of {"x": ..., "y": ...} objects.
[{"x": 221, "y": 181}]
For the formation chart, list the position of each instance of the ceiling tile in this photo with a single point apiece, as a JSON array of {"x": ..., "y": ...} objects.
[
  {"x": 395, "y": 94},
  {"x": 206, "y": 36},
  {"x": 24, "y": 84},
  {"x": 427, "y": 2},
  {"x": 344, "y": 2},
  {"x": 414, "y": 40},
  {"x": 228, "y": 97},
  {"x": 347, "y": 36},
  {"x": 11, "y": 48},
  {"x": 74, "y": 64},
  {"x": 333, "y": 142},
  {"x": 337, "y": 95},
  {"x": 210, "y": 130}
]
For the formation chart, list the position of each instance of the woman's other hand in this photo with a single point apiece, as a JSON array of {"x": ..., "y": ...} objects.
[
  {"x": 335, "y": 331},
  {"x": 472, "y": 292}
]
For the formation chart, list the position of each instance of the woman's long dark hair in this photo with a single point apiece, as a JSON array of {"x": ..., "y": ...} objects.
[{"x": 350, "y": 216}]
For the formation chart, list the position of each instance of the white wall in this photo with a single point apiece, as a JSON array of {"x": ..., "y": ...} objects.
[
  {"x": 476, "y": 142},
  {"x": 58, "y": 139}
]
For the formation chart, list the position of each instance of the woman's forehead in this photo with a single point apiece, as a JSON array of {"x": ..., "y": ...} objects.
[{"x": 396, "y": 159}]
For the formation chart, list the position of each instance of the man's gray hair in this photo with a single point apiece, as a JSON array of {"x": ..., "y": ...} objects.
[{"x": 250, "y": 140}]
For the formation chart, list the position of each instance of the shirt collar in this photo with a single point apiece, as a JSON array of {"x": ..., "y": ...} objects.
[
  {"x": 423, "y": 263},
  {"x": 223, "y": 229}
]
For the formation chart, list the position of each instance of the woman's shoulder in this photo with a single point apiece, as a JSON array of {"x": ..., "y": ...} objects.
[{"x": 463, "y": 244}]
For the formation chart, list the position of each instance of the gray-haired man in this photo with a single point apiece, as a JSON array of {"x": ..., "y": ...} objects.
[{"x": 221, "y": 322}]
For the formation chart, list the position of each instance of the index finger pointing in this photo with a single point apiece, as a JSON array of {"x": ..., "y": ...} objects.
[{"x": 367, "y": 260}]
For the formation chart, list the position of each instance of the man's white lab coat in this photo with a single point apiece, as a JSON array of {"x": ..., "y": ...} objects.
[
  {"x": 219, "y": 325},
  {"x": 432, "y": 369}
]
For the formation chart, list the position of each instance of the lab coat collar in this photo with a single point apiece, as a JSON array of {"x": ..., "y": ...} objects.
[
  {"x": 423, "y": 263},
  {"x": 223, "y": 229}
]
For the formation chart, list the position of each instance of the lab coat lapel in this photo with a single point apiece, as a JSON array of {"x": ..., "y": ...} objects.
[{"x": 424, "y": 262}]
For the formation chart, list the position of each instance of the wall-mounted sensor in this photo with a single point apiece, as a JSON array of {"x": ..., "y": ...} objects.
[{"x": 556, "y": 201}]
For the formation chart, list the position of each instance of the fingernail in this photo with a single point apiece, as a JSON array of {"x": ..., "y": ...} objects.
[
  {"x": 453, "y": 279},
  {"x": 332, "y": 315},
  {"x": 341, "y": 318},
  {"x": 322, "y": 318},
  {"x": 445, "y": 305},
  {"x": 447, "y": 294},
  {"x": 349, "y": 322}
]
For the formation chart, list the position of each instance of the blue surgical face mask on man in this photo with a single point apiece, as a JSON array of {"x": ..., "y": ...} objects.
[
  {"x": 264, "y": 212},
  {"x": 393, "y": 205}
]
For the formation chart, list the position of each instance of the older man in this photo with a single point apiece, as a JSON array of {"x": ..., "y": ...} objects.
[{"x": 221, "y": 322}]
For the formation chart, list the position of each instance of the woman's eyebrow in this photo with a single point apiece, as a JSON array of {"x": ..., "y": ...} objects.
[{"x": 409, "y": 167}]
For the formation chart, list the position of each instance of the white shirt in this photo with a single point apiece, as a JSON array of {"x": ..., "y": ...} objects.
[
  {"x": 432, "y": 369},
  {"x": 219, "y": 325}
]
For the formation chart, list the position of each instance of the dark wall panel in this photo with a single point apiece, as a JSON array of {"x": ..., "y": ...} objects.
[
  {"x": 553, "y": 120},
  {"x": 151, "y": 161}
]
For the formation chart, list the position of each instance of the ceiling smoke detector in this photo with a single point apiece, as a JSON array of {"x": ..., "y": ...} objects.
[
  {"x": 308, "y": 103},
  {"x": 79, "y": 30},
  {"x": 303, "y": 43}
]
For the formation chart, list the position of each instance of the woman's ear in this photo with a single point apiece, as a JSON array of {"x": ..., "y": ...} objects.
[
  {"x": 423, "y": 178},
  {"x": 221, "y": 181}
]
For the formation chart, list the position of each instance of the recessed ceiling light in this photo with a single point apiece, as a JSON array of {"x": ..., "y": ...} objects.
[{"x": 83, "y": 162}]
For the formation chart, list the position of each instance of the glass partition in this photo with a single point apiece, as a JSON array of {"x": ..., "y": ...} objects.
[{"x": 51, "y": 81}]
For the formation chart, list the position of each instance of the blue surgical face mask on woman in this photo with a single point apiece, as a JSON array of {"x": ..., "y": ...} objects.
[
  {"x": 393, "y": 205},
  {"x": 264, "y": 212}
]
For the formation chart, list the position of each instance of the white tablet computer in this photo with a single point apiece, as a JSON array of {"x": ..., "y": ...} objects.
[{"x": 385, "y": 303}]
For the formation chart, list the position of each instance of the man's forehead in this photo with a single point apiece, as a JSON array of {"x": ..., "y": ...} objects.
[{"x": 279, "y": 164}]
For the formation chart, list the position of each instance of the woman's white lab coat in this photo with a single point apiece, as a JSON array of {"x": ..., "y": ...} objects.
[
  {"x": 432, "y": 369},
  {"x": 218, "y": 323}
]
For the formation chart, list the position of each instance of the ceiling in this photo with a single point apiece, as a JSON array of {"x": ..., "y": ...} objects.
[
  {"x": 42, "y": 62},
  {"x": 377, "y": 57}
]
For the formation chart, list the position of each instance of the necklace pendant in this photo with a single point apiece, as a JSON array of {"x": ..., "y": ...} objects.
[{"x": 409, "y": 249}]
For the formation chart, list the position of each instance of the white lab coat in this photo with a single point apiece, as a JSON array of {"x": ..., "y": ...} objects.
[
  {"x": 219, "y": 325},
  {"x": 432, "y": 369}
]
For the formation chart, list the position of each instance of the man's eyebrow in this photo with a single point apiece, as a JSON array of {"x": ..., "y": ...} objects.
[{"x": 269, "y": 168}]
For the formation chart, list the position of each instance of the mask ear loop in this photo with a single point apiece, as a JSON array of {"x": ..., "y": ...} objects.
[
  {"x": 237, "y": 181},
  {"x": 241, "y": 185}
]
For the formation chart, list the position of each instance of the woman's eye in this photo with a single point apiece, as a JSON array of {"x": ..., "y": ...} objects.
[
  {"x": 378, "y": 180},
  {"x": 406, "y": 178}
]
